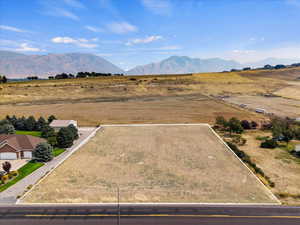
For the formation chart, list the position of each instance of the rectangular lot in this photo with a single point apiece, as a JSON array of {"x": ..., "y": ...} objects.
[
  {"x": 279, "y": 106},
  {"x": 158, "y": 163}
]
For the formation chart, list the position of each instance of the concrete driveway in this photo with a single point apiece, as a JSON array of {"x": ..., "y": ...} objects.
[{"x": 15, "y": 164}]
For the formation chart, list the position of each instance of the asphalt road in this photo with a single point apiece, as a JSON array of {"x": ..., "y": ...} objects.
[{"x": 149, "y": 214}]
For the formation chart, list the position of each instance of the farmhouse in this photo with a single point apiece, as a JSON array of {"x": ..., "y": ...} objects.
[
  {"x": 57, "y": 124},
  {"x": 297, "y": 148},
  {"x": 18, "y": 146}
]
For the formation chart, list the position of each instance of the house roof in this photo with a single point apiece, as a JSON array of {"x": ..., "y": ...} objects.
[
  {"x": 61, "y": 123},
  {"x": 18, "y": 142}
]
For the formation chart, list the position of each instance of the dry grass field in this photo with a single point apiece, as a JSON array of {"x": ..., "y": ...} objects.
[
  {"x": 137, "y": 99},
  {"x": 53, "y": 91},
  {"x": 152, "y": 164},
  {"x": 169, "y": 109},
  {"x": 278, "y": 164},
  {"x": 280, "y": 106}
]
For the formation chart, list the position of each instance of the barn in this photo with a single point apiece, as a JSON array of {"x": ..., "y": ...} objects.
[{"x": 18, "y": 146}]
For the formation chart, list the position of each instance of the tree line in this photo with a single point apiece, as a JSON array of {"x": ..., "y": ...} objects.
[
  {"x": 83, "y": 75},
  {"x": 267, "y": 67}
]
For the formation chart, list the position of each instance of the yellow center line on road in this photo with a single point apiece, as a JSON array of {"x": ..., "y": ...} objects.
[{"x": 160, "y": 215}]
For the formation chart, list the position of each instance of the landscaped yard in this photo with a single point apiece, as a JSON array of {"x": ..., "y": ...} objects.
[
  {"x": 33, "y": 133},
  {"x": 152, "y": 164},
  {"x": 23, "y": 172},
  {"x": 58, "y": 151}
]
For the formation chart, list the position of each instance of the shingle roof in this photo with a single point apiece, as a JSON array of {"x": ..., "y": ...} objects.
[{"x": 18, "y": 142}]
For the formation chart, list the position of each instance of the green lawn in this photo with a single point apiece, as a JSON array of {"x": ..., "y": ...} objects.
[
  {"x": 33, "y": 133},
  {"x": 58, "y": 151},
  {"x": 23, "y": 172}
]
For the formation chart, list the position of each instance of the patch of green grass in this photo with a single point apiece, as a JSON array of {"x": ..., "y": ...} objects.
[
  {"x": 58, "y": 151},
  {"x": 23, "y": 172},
  {"x": 32, "y": 133},
  {"x": 288, "y": 147},
  {"x": 262, "y": 138}
]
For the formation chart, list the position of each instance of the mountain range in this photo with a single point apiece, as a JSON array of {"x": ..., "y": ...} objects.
[{"x": 17, "y": 65}]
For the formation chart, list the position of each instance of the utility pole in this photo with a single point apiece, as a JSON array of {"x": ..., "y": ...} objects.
[{"x": 119, "y": 208}]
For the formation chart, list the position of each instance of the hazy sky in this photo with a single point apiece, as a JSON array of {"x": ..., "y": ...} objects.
[{"x": 132, "y": 32}]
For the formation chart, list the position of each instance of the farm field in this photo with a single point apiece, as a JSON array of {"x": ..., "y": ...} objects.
[
  {"x": 282, "y": 168},
  {"x": 156, "y": 163},
  {"x": 279, "y": 106}
]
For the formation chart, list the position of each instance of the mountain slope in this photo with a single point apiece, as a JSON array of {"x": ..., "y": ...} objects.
[
  {"x": 184, "y": 64},
  {"x": 15, "y": 65}
]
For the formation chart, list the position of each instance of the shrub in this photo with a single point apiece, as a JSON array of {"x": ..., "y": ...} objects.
[
  {"x": 65, "y": 138},
  {"x": 30, "y": 123},
  {"x": 47, "y": 132},
  {"x": 234, "y": 125},
  {"x": 51, "y": 118},
  {"x": 246, "y": 158},
  {"x": 14, "y": 173},
  {"x": 6, "y": 166},
  {"x": 246, "y": 125},
  {"x": 7, "y": 129},
  {"x": 40, "y": 124},
  {"x": 269, "y": 143},
  {"x": 74, "y": 131},
  {"x": 254, "y": 125},
  {"x": 4, "y": 179},
  {"x": 52, "y": 141},
  {"x": 221, "y": 121},
  {"x": 43, "y": 152}
]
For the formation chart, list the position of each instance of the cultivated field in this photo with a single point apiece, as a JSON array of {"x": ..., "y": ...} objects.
[
  {"x": 152, "y": 164},
  {"x": 279, "y": 106}
]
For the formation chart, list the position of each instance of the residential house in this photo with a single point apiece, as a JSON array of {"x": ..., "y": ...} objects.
[{"x": 18, "y": 146}]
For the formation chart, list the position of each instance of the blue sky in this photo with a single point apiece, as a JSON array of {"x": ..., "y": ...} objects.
[{"x": 134, "y": 32}]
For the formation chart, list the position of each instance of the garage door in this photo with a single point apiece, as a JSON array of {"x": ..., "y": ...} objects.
[
  {"x": 27, "y": 155},
  {"x": 8, "y": 155}
]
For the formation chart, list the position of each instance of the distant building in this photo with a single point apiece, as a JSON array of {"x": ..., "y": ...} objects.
[
  {"x": 260, "y": 110},
  {"x": 297, "y": 119},
  {"x": 297, "y": 148},
  {"x": 58, "y": 124},
  {"x": 18, "y": 146}
]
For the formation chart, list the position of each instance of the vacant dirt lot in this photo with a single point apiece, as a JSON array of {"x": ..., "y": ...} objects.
[
  {"x": 152, "y": 164},
  {"x": 279, "y": 106},
  {"x": 278, "y": 164}
]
